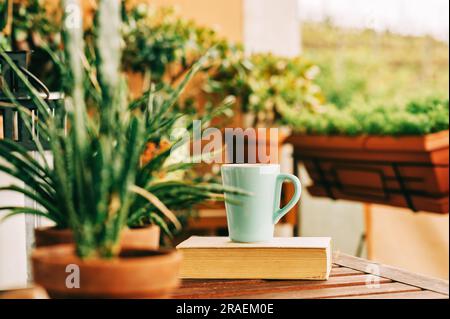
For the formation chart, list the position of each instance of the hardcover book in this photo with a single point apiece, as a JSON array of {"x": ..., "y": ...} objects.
[{"x": 307, "y": 258}]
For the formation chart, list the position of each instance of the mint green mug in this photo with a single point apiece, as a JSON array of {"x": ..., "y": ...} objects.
[{"x": 252, "y": 217}]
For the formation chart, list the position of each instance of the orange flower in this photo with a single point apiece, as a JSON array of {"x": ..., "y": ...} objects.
[
  {"x": 164, "y": 145},
  {"x": 149, "y": 153},
  {"x": 153, "y": 150}
]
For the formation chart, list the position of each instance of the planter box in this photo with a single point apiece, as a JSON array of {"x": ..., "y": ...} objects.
[
  {"x": 399, "y": 171},
  {"x": 419, "y": 203}
]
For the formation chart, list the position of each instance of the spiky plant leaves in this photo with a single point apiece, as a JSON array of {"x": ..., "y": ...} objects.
[
  {"x": 4, "y": 14},
  {"x": 13, "y": 211},
  {"x": 95, "y": 185}
]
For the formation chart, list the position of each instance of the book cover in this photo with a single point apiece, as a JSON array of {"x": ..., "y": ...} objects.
[{"x": 306, "y": 258}]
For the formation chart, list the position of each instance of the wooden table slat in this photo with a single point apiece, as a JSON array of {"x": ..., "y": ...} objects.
[
  {"x": 191, "y": 283},
  {"x": 350, "y": 277},
  {"x": 396, "y": 274},
  {"x": 342, "y": 271},
  {"x": 422, "y": 294},
  {"x": 335, "y": 266},
  {"x": 204, "y": 289},
  {"x": 333, "y": 292},
  {"x": 206, "y": 283}
]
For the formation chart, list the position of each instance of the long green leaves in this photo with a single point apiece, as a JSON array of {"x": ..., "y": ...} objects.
[
  {"x": 95, "y": 162},
  {"x": 96, "y": 184},
  {"x": 4, "y": 14}
]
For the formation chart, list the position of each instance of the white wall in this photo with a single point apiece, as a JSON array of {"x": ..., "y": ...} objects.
[
  {"x": 408, "y": 17},
  {"x": 17, "y": 235},
  {"x": 272, "y": 26},
  {"x": 13, "y": 253},
  {"x": 343, "y": 221}
]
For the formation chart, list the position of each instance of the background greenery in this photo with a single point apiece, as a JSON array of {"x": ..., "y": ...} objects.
[
  {"x": 346, "y": 82},
  {"x": 363, "y": 65},
  {"x": 375, "y": 83}
]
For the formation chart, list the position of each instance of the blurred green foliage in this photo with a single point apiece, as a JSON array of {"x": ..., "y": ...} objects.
[
  {"x": 3, "y": 14},
  {"x": 375, "y": 83},
  {"x": 156, "y": 40},
  {"x": 418, "y": 117},
  {"x": 366, "y": 66},
  {"x": 4, "y": 38},
  {"x": 279, "y": 85},
  {"x": 341, "y": 73},
  {"x": 152, "y": 41},
  {"x": 269, "y": 85}
]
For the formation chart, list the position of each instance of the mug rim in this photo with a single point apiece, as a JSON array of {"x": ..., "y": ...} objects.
[{"x": 248, "y": 165}]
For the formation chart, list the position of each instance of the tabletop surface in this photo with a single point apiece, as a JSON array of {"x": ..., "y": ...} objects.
[{"x": 350, "y": 277}]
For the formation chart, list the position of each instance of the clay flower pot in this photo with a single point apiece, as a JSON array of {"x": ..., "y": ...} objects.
[
  {"x": 136, "y": 273},
  {"x": 146, "y": 237},
  {"x": 406, "y": 171}
]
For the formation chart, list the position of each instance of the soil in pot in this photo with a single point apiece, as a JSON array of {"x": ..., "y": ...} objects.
[
  {"x": 145, "y": 237},
  {"x": 136, "y": 273}
]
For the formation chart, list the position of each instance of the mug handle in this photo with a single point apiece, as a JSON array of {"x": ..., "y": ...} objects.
[{"x": 280, "y": 212}]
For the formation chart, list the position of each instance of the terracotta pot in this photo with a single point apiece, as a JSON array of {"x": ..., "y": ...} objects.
[
  {"x": 134, "y": 274},
  {"x": 146, "y": 238},
  {"x": 411, "y": 171},
  {"x": 33, "y": 292}
]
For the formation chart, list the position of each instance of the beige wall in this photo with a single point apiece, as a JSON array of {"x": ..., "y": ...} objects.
[
  {"x": 224, "y": 15},
  {"x": 416, "y": 242},
  {"x": 343, "y": 221}
]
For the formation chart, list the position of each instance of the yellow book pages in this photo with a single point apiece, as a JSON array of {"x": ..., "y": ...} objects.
[{"x": 281, "y": 258}]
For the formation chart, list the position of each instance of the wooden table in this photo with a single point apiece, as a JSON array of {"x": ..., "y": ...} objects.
[{"x": 351, "y": 277}]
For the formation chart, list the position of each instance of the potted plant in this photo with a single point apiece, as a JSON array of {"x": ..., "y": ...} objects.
[
  {"x": 146, "y": 219},
  {"x": 394, "y": 155},
  {"x": 96, "y": 182},
  {"x": 144, "y": 230}
]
